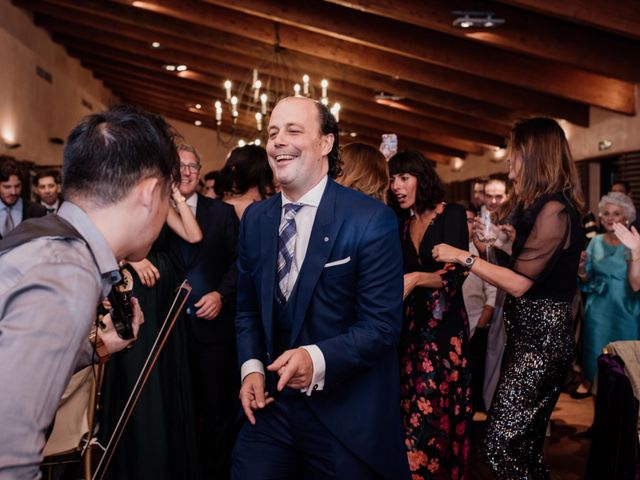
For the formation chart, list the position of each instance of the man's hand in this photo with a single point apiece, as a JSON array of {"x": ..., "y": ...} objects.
[
  {"x": 253, "y": 396},
  {"x": 109, "y": 335},
  {"x": 147, "y": 272},
  {"x": 209, "y": 306},
  {"x": 295, "y": 369}
]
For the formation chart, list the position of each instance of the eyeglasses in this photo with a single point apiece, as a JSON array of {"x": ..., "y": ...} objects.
[{"x": 192, "y": 167}]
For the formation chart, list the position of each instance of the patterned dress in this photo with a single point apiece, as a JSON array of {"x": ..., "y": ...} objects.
[{"x": 435, "y": 392}]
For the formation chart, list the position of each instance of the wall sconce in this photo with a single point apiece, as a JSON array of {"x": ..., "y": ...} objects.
[
  {"x": 604, "y": 145},
  {"x": 456, "y": 164}
]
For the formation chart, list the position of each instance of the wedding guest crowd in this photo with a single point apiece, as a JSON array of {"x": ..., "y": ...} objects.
[{"x": 335, "y": 297}]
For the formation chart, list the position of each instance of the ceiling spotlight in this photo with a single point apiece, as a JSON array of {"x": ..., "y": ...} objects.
[
  {"x": 170, "y": 68},
  {"x": 456, "y": 164},
  {"x": 181, "y": 68},
  {"x": 353, "y": 134},
  {"x": 197, "y": 123},
  {"x": 466, "y": 19},
  {"x": 198, "y": 106},
  {"x": 155, "y": 44}
]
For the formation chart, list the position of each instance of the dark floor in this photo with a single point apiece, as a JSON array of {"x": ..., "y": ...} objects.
[{"x": 566, "y": 450}]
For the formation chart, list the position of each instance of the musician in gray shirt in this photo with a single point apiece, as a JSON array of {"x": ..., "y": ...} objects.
[{"x": 118, "y": 170}]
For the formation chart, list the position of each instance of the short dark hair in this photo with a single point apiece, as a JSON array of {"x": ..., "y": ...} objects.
[
  {"x": 245, "y": 168},
  {"x": 624, "y": 183},
  {"x": 429, "y": 191},
  {"x": 212, "y": 175},
  {"x": 107, "y": 153},
  {"x": 55, "y": 174},
  {"x": 329, "y": 125},
  {"x": 9, "y": 167}
]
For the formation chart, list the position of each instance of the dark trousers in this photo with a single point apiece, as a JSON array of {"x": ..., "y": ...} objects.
[
  {"x": 288, "y": 442},
  {"x": 216, "y": 384}
]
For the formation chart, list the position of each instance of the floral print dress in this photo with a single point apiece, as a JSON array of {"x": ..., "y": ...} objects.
[{"x": 435, "y": 391}]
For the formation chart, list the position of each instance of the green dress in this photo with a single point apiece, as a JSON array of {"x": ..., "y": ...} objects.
[
  {"x": 159, "y": 441},
  {"x": 612, "y": 310}
]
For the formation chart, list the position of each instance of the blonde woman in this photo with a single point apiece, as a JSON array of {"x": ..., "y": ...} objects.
[{"x": 364, "y": 169}]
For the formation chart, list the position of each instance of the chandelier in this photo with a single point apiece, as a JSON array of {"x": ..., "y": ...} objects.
[{"x": 247, "y": 104}]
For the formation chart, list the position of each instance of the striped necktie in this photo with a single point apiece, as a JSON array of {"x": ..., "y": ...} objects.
[
  {"x": 286, "y": 249},
  {"x": 8, "y": 221}
]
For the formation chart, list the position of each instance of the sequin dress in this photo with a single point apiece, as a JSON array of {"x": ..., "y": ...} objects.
[
  {"x": 540, "y": 343},
  {"x": 435, "y": 377}
]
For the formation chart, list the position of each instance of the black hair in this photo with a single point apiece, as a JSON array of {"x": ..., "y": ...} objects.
[
  {"x": 9, "y": 167},
  {"x": 246, "y": 167},
  {"x": 107, "y": 153},
  {"x": 429, "y": 191},
  {"x": 329, "y": 125},
  {"x": 624, "y": 183},
  {"x": 47, "y": 173},
  {"x": 212, "y": 175}
]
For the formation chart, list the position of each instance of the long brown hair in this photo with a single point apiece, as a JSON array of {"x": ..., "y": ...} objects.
[
  {"x": 547, "y": 164},
  {"x": 364, "y": 169}
]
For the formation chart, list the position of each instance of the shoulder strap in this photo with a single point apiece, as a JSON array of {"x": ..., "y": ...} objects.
[{"x": 47, "y": 226}]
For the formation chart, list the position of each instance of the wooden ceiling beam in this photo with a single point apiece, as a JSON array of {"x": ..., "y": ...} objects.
[
  {"x": 116, "y": 41},
  {"x": 620, "y": 17},
  {"x": 523, "y": 32},
  {"x": 386, "y": 36},
  {"x": 366, "y": 58},
  {"x": 495, "y": 121}
]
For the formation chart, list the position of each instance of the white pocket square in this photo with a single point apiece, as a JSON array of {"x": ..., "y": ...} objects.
[{"x": 338, "y": 262}]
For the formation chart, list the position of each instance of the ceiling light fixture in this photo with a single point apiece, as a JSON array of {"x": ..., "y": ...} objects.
[
  {"x": 155, "y": 44},
  {"x": 197, "y": 123},
  {"x": 468, "y": 19},
  {"x": 181, "y": 68},
  {"x": 170, "y": 68}
]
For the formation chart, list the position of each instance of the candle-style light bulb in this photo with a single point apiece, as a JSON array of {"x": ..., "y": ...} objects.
[
  {"x": 234, "y": 108},
  {"x": 263, "y": 103},
  {"x": 259, "y": 121},
  {"x": 324, "y": 84},
  {"x": 227, "y": 87},
  {"x": 335, "y": 110},
  {"x": 296, "y": 89},
  {"x": 257, "y": 85},
  {"x": 305, "y": 85}
]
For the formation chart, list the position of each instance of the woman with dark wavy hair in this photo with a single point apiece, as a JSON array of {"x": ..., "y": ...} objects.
[
  {"x": 435, "y": 378},
  {"x": 540, "y": 283},
  {"x": 245, "y": 178}
]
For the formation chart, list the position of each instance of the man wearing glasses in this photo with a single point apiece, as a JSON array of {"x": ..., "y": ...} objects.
[{"x": 210, "y": 267}]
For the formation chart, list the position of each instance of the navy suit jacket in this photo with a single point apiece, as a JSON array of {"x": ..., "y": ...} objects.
[
  {"x": 352, "y": 311},
  {"x": 210, "y": 265}
]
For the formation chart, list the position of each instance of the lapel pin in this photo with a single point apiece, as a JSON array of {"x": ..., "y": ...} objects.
[{"x": 326, "y": 239}]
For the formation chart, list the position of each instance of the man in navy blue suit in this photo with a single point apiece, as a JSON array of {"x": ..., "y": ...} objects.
[{"x": 319, "y": 315}]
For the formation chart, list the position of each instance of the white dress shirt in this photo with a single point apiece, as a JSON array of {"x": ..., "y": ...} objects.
[
  {"x": 476, "y": 293},
  {"x": 304, "y": 224},
  {"x": 192, "y": 202}
]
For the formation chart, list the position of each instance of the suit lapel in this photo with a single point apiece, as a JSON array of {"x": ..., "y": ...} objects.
[
  {"x": 191, "y": 251},
  {"x": 323, "y": 235},
  {"x": 269, "y": 223}
]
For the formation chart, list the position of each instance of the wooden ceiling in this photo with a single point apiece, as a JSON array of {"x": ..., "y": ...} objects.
[{"x": 458, "y": 90}]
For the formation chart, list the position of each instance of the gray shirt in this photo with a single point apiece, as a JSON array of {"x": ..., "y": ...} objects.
[{"x": 49, "y": 290}]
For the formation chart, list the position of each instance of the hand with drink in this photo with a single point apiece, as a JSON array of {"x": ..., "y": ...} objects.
[{"x": 487, "y": 234}]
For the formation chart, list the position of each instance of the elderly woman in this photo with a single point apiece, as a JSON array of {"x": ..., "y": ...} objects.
[{"x": 612, "y": 310}]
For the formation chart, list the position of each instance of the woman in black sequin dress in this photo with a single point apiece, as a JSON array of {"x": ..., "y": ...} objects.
[{"x": 541, "y": 282}]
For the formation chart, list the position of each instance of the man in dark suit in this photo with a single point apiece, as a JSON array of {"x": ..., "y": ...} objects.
[
  {"x": 320, "y": 305},
  {"x": 13, "y": 208},
  {"x": 47, "y": 184},
  {"x": 210, "y": 267}
]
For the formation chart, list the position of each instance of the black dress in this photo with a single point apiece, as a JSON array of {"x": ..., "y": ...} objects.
[
  {"x": 159, "y": 441},
  {"x": 540, "y": 342},
  {"x": 435, "y": 377}
]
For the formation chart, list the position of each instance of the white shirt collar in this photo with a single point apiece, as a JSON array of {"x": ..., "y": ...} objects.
[
  {"x": 312, "y": 197},
  {"x": 192, "y": 201}
]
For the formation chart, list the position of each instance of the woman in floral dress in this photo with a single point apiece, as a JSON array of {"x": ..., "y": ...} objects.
[{"x": 435, "y": 375}]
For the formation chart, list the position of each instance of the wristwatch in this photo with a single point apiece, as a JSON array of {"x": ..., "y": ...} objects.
[{"x": 469, "y": 261}]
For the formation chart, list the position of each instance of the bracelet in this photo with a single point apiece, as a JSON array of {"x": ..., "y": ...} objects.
[{"x": 99, "y": 347}]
